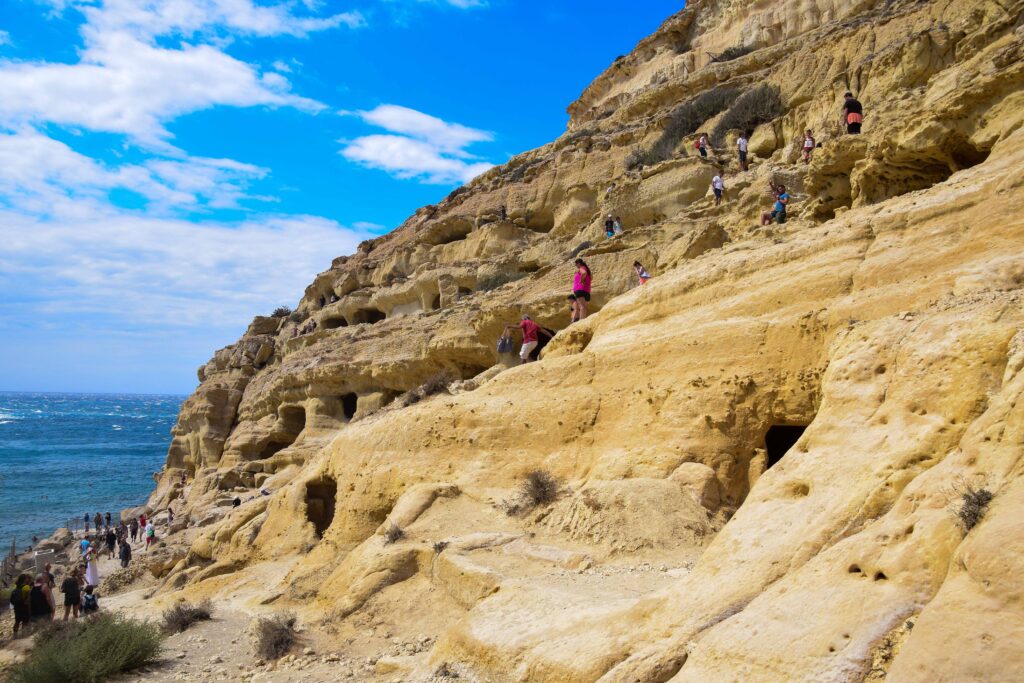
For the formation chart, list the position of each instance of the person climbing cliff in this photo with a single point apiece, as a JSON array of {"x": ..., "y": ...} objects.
[
  {"x": 718, "y": 186},
  {"x": 741, "y": 146},
  {"x": 778, "y": 212},
  {"x": 641, "y": 272},
  {"x": 609, "y": 227},
  {"x": 580, "y": 291},
  {"x": 617, "y": 225},
  {"x": 853, "y": 114},
  {"x": 531, "y": 337},
  {"x": 702, "y": 145},
  {"x": 809, "y": 144}
]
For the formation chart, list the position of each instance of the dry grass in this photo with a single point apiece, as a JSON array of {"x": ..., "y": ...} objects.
[
  {"x": 393, "y": 534},
  {"x": 274, "y": 637},
  {"x": 971, "y": 504},
  {"x": 180, "y": 617},
  {"x": 754, "y": 107},
  {"x": 685, "y": 120}
]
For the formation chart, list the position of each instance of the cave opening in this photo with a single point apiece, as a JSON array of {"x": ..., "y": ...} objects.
[
  {"x": 464, "y": 291},
  {"x": 779, "y": 439},
  {"x": 368, "y": 316},
  {"x": 349, "y": 403},
  {"x": 321, "y": 498},
  {"x": 334, "y": 323},
  {"x": 272, "y": 448},
  {"x": 436, "y": 303},
  {"x": 293, "y": 419}
]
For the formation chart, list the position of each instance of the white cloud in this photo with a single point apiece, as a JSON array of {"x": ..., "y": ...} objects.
[
  {"x": 124, "y": 82},
  {"x": 427, "y": 148},
  {"x": 5, "y": 38}
]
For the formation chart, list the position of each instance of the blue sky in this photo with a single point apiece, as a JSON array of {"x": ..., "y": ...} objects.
[{"x": 170, "y": 168}]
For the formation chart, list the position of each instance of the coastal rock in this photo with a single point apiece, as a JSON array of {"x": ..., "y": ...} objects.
[{"x": 792, "y": 417}]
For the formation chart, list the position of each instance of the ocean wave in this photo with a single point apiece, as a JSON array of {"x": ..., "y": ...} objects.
[{"x": 9, "y": 416}]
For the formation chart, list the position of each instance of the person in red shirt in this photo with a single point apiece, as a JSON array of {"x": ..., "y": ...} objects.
[{"x": 530, "y": 331}]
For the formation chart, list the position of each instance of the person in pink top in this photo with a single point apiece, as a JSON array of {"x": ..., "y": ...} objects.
[
  {"x": 580, "y": 291},
  {"x": 530, "y": 339}
]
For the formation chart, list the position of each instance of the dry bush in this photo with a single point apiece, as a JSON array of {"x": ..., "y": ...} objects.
[
  {"x": 437, "y": 384},
  {"x": 734, "y": 52},
  {"x": 88, "y": 650},
  {"x": 281, "y": 312},
  {"x": 178, "y": 618},
  {"x": 754, "y": 107},
  {"x": 685, "y": 120},
  {"x": 393, "y": 534},
  {"x": 273, "y": 637},
  {"x": 445, "y": 672},
  {"x": 539, "y": 488},
  {"x": 971, "y": 503}
]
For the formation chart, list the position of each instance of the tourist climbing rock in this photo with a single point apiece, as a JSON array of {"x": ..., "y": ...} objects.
[
  {"x": 778, "y": 212},
  {"x": 809, "y": 144},
  {"x": 741, "y": 146},
  {"x": 609, "y": 226},
  {"x": 641, "y": 272},
  {"x": 718, "y": 186},
  {"x": 702, "y": 145},
  {"x": 580, "y": 291},
  {"x": 531, "y": 337},
  {"x": 617, "y": 225},
  {"x": 72, "y": 594},
  {"x": 853, "y": 114}
]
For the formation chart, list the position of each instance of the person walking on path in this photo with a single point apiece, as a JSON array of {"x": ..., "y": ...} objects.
[
  {"x": 741, "y": 146},
  {"x": 530, "y": 331},
  {"x": 72, "y": 594},
  {"x": 718, "y": 185},
  {"x": 150, "y": 534},
  {"x": 853, "y": 114},
  {"x": 702, "y": 145},
  {"x": 580, "y": 291},
  {"x": 98, "y": 521},
  {"x": 111, "y": 540},
  {"x": 92, "y": 572},
  {"x": 41, "y": 600},
  {"x": 125, "y": 553},
  {"x": 142, "y": 522},
  {"x": 20, "y": 601},
  {"x": 108, "y": 519},
  {"x": 778, "y": 214},
  {"x": 809, "y": 144},
  {"x": 83, "y": 546},
  {"x": 85, "y": 518},
  {"x": 641, "y": 272},
  {"x": 134, "y": 529}
]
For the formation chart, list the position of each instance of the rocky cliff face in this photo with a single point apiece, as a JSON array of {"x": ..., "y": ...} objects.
[{"x": 761, "y": 454}]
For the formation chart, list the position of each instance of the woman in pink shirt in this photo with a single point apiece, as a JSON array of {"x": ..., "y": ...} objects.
[{"x": 580, "y": 291}]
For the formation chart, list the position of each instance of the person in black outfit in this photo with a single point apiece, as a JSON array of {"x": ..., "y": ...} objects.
[
  {"x": 125, "y": 553},
  {"x": 134, "y": 529},
  {"x": 853, "y": 114},
  {"x": 40, "y": 600},
  {"x": 108, "y": 519},
  {"x": 72, "y": 594},
  {"x": 111, "y": 540}
]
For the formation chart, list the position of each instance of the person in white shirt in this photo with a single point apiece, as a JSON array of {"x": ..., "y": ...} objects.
[
  {"x": 809, "y": 144},
  {"x": 718, "y": 185},
  {"x": 741, "y": 144}
]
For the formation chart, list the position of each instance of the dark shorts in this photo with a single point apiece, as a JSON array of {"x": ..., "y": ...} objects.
[
  {"x": 704, "y": 152},
  {"x": 71, "y": 600},
  {"x": 718, "y": 193},
  {"x": 853, "y": 128},
  {"x": 779, "y": 216},
  {"x": 580, "y": 294},
  {"x": 743, "y": 156}
]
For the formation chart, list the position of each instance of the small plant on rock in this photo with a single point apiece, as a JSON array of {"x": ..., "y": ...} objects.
[
  {"x": 539, "y": 487},
  {"x": 437, "y": 384},
  {"x": 971, "y": 504},
  {"x": 440, "y": 546},
  {"x": 281, "y": 312},
  {"x": 734, "y": 52},
  {"x": 274, "y": 637},
  {"x": 393, "y": 534},
  {"x": 180, "y": 617}
]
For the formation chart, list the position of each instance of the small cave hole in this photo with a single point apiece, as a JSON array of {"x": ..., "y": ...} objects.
[
  {"x": 880, "y": 576},
  {"x": 272, "y": 448},
  {"x": 334, "y": 323},
  {"x": 435, "y": 305},
  {"x": 464, "y": 291},
  {"x": 321, "y": 496},
  {"x": 349, "y": 403},
  {"x": 854, "y": 569},
  {"x": 293, "y": 419},
  {"x": 779, "y": 439},
  {"x": 368, "y": 316}
]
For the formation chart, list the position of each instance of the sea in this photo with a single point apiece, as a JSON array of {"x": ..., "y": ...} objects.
[{"x": 64, "y": 455}]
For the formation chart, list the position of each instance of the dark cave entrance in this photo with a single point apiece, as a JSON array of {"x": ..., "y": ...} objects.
[
  {"x": 321, "y": 496},
  {"x": 368, "y": 316},
  {"x": 349, "y": 403},
  {"x": 779, "y": 439},
  {"x": 334, "y": 323}
]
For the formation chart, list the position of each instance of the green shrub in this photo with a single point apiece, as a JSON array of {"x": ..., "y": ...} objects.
[
  {"x": 281, "y": 312},
  {"x": 754, "y": 107},
  {"x": 178, "y": 618},
  {"x": 685, "y": 120},
  {"x": 274, "y": 636},
  {"x": 88, "y": 650}
]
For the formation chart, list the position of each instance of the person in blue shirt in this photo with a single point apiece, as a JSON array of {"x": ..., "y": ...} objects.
[{"x": 778, "y": 213}]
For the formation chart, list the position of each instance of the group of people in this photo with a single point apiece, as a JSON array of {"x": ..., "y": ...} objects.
[
  {"x": 34, "y": 603},
  {"x": 305, "y": 329},
  {"x": 612, "y": 226},
  {"x": 536, "y": 337},
  {"x": 852, "y": 118}
]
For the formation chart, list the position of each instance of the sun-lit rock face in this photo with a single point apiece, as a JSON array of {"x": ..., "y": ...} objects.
[{"x": 758, "y": 457}]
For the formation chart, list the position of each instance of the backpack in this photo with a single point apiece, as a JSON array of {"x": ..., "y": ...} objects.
[
  {"x": 696, "y": 144},
  {"x": 89, "y": 603},
  {"x": 150, "y": 532}
]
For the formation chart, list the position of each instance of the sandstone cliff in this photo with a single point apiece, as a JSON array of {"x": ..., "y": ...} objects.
[{"x": 761, "y": 453}]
